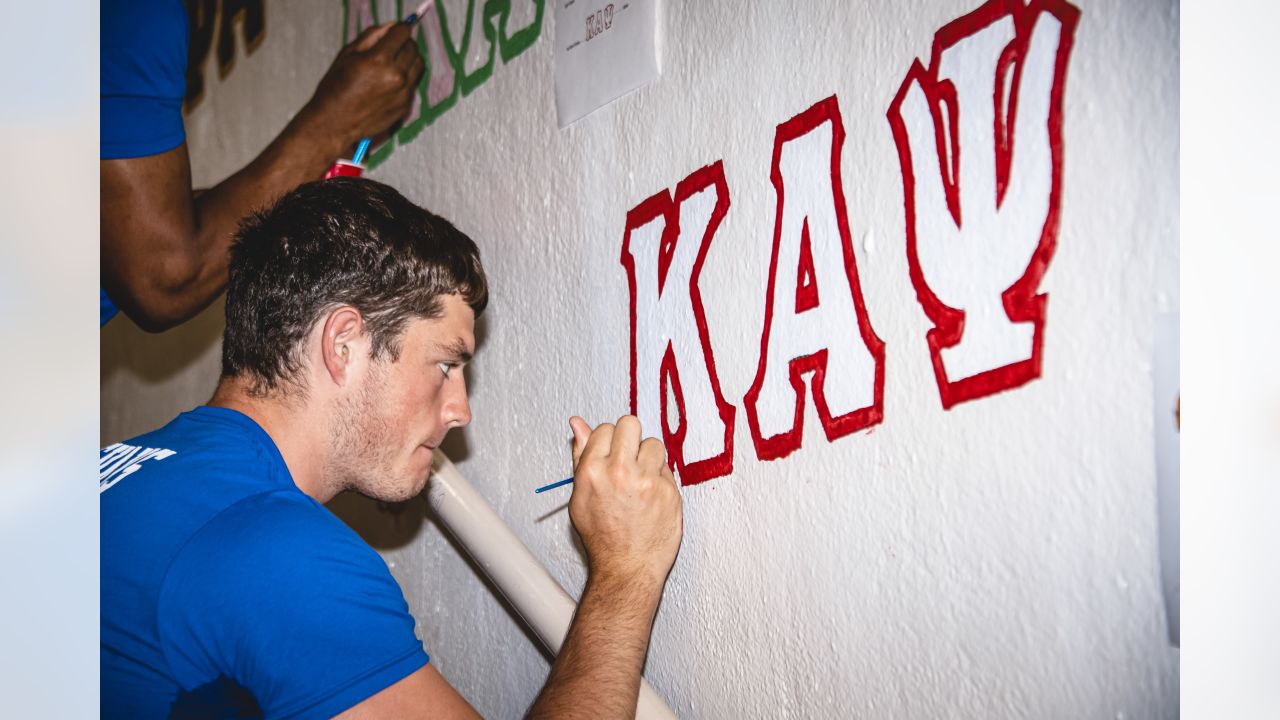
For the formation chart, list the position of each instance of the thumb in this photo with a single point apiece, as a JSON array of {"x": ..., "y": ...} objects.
[{"x": 581, "y": 433}]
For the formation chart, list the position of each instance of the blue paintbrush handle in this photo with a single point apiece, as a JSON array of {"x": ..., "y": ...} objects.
[
  {"x": 554, "y": 485},
  {"x": 361, "y": 149}
]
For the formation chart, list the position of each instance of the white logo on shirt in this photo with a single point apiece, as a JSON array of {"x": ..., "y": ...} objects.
[{"x": 119, "y": 461}]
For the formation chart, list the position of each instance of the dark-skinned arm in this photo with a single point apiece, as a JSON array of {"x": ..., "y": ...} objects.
[{"x": 165, "y": 247}]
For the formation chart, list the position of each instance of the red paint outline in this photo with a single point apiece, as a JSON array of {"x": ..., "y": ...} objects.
[
  {"x": 1021, "y": 302},
  {"x": 784, "y": 443},
  {"x": 806, "y": 276},
  {"x": 663, "y": 205}
]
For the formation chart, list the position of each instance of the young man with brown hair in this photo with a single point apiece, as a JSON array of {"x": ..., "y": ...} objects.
[{"x": 228, "y": 588}]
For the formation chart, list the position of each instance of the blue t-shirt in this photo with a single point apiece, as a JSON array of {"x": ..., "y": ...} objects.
[
  {"x": 142, "y": 83},
  {"x": 143, "y": 77},
  {"x": 228, "y": 592},
  {"x": 107, "y": 308}
]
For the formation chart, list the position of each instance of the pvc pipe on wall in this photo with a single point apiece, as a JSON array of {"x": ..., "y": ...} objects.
[{"x": 540, "y": 601}]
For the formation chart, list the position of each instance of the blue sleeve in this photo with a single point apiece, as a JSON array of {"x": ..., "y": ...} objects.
[
  {"x": 280, "y": 597},
  {"x": 143, "y": 77},
  {"x": 107, "y": 308}
]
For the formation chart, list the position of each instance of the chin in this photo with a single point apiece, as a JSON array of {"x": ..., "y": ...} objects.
[
  {"x": 412, "y": 484},
  {"x": 421, "y": 482},
  {"x": 396, "y": 487},
  {"x": 396, "y": 493}
]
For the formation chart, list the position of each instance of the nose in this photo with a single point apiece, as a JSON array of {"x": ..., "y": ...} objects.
[{"x": 457, "y": 409}]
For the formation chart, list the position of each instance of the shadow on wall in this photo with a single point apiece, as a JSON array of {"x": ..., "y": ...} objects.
[
  {"x": 145, "y": 380},
  {"x": 156, "y": 358}
]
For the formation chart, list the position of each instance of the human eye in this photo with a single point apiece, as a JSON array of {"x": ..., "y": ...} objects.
[{"x": 445, "y": 367}]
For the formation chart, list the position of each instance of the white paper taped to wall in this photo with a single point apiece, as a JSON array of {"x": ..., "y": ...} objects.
[{"x": 604, "y": 50}]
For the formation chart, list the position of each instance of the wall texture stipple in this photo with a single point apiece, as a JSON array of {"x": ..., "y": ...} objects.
[{"x": 881, "y": 274}]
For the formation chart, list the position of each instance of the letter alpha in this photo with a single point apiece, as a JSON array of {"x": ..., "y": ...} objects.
[{"x": 810, "y": 323}]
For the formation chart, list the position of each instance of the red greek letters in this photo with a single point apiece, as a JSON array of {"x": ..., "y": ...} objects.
[
  {"x": 815, "y": 320},
  {"x": 979, "y": 137},
  {"x": 673, "y": 371}
]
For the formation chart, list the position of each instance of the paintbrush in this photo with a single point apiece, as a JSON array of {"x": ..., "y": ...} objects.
[
  {"x": 553, "y": 485},
  {"x": 412, "y": 19}
]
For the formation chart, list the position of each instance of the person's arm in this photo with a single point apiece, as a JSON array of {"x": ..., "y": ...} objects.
[
  {"x": 165, "y": 248},
  {"x": 423, "y": 694},
  {"x": 597, "y": 673},
  {"x": 626, "y": 508}
]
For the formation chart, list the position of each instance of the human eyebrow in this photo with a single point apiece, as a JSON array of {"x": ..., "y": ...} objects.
[{"x": 456, "y": 352}]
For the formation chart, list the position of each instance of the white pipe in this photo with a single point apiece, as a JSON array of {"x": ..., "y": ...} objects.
[{"x": 540, "y": 601}]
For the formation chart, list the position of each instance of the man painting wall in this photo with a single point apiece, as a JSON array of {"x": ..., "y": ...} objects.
[{"x": 227, "y": 587}]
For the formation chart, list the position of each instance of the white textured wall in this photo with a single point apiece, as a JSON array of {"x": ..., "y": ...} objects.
[{"x": 997, "y": 559}]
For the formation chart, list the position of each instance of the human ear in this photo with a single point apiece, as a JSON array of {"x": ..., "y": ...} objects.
[{"x": 341, "y": 339}]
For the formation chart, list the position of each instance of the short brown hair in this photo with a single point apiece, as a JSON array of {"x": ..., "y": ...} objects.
[{"x": 343, "y": 241}]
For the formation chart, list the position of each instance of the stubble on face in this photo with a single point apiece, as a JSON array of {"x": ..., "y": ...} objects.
[{"x": 362, "y": 440}]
